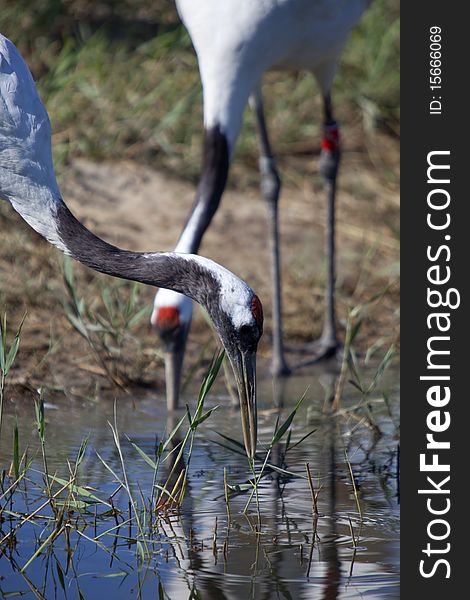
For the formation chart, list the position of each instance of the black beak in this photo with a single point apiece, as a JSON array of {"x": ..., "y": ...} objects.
[
  {"x": 173, "y": 367},
  {"x": 244, "y": 368},
  {"x": 174, "y": 345}
]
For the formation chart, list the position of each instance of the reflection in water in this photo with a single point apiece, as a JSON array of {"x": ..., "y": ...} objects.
[
  {"x": 266, "y": 558},
  {"x": 333, "y": 573},
  {"x": 195, "y": 552}
]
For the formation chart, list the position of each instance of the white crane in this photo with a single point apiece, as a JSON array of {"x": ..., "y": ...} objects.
[
  {"x": 236, "y": 41},
  {"x": 28, "y": 182}
]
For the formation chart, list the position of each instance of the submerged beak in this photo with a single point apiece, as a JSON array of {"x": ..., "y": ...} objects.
[
  {"x": 173, "y": 367},
  {"x": 173, "y": 335},
  {"x": 244, "y": 368}
]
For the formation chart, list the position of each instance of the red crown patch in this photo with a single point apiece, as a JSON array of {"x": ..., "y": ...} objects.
[
  {"x": 168, "y": 317},
  {"x": 257, "y": 311}
]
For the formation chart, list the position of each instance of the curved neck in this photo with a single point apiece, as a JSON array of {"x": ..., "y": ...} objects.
[{"x": 181, "y": 273}]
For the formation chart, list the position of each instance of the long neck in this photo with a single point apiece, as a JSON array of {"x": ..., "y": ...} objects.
[
  {"x": 182, "y": 273},
  {"x": 215, "y": 167}
]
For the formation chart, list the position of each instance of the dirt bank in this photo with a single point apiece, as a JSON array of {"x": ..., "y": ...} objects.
[{"x": 142, "y": 209}]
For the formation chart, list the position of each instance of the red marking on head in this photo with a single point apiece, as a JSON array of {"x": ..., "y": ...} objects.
[
  {"x": 168, "y": 317},
  {"x": 330, "y": 139},
  {"x": 257, "y": 311}
]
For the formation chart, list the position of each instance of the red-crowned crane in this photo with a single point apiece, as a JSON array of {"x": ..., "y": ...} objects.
[
  {"x": 28, "y": 182},
  {"x": 236, "y": 41}
]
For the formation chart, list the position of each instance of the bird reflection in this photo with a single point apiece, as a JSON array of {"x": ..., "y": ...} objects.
[
  {"x": 262, "y": 566},
  {"x": 330, "y": 548}
]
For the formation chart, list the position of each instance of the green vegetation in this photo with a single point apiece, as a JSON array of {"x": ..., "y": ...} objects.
[
  {"x": 7, "y": 358},
  {"x": 49, "y": 519},
  {"x": 108, "y": 332}
]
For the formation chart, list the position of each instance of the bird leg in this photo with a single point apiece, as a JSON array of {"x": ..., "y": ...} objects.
[
  {"x": 329, "y": 163},
  {"x": 270, "y": 186},
  {"x": 327, "y": 345}
]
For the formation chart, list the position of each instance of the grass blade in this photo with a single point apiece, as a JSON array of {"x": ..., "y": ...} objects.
[
  {"x": 81, "y": 491},
  {"x": 16, "y": 451},
  {"x": 279, "y": 432},
  {"x": 146, "y": 457}
]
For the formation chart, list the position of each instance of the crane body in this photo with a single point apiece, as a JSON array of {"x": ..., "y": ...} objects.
[
  {"x": 28, "y": 183},
  {"x": 236, "y": 42}
]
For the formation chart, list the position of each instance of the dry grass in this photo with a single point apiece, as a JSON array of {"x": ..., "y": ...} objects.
[{"x": 103, "y": 69}]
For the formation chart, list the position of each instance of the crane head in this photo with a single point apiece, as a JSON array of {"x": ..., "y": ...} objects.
[
  {"x": 171, "y": 318},
  {"x": 237, "y": 315},
  {"x": 240, "y": 326}
]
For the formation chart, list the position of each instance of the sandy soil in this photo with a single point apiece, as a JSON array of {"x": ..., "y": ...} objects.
[{"x": 142, "y": 209}]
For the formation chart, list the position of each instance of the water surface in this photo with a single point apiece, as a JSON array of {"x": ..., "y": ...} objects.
[{"x": 292, "y": 554}]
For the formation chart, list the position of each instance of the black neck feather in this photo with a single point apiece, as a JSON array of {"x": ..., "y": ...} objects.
[
  {"x": 215, "y": 165},
  {"x": 166, "y": 270}
]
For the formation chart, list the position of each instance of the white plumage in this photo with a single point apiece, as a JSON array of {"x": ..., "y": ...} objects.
[
  {"x": 27, "y": 177},
  {"x": 236, "y": 41}
]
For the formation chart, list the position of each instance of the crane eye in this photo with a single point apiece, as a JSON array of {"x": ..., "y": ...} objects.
[
  {"x": 245, "y": 330},
  {"x": 249, "y": 336}
]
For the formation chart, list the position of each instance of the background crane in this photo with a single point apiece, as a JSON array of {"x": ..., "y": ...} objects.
[{"x": 236, "y": 42}]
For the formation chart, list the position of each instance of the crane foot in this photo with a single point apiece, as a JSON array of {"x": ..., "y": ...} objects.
[
  {"x": 318, "y": 350},
  {"x": 280, "y": 369}
]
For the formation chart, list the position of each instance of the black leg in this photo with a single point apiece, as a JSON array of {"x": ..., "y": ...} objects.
[
  {"x": 270, "y": 190},
  {"x": 327, "y": 345},
  {"x": 329, "y": 163}
]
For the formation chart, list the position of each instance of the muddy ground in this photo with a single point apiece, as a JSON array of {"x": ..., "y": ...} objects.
[{"x": 143, "y": 209}]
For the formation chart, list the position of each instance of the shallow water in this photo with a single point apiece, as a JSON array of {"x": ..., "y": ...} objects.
[{"x": 293, "y": 555}]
